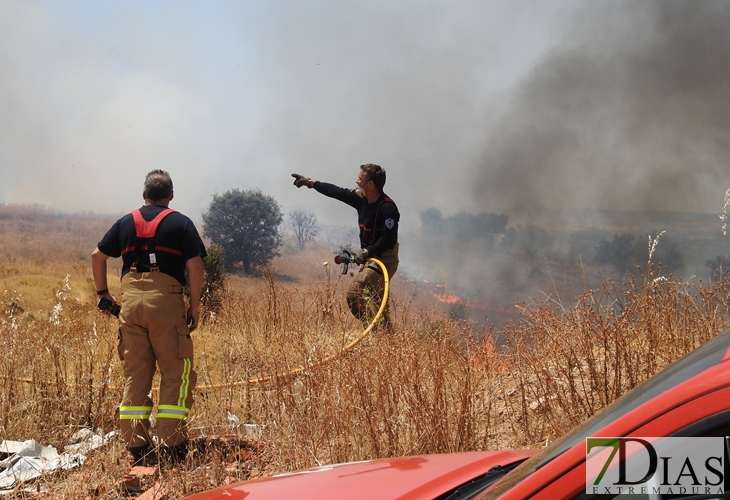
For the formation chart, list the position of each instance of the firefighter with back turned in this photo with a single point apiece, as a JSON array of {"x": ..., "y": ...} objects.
[{"x": 157, "y": 245}]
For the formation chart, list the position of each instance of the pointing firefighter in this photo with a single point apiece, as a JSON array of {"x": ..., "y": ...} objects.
[
  {"x": 157, "y": 245},
  {"x": 378, "y": 219}
]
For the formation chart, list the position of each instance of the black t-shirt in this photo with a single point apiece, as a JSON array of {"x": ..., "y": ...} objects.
[
  {"x": 176, "y": 241},
  {"x": 378, "y": 221}
]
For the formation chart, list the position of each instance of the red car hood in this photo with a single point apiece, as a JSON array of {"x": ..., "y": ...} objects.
[{"x": 416, "y": 477}]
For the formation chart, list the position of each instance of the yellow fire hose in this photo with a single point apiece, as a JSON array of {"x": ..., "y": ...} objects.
[
  {"x": 323, "y": 361},
  {"x": 280, "y": 376}
]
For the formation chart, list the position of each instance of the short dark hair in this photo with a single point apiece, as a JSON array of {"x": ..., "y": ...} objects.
[
  {"x": 374, "y": 173},
  {"x": 157, "y": 185}
]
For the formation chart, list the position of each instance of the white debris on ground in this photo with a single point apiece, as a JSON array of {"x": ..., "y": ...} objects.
[
  {"x": 84, "y": 440},
  {"x": 253, "y": 430},
  {"x": 23, "y": 461}
]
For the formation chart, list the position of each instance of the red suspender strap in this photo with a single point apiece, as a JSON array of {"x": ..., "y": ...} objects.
[
  {"x": 161, "y": 249},
  {"x": 147, "y": 229}
]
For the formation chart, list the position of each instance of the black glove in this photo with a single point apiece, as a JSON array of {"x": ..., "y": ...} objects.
[
  {"x": 360, "y": 258},
  {"x": 300, "y": 180}
]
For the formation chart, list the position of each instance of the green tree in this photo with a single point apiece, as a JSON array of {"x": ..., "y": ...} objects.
[
  {"x": 431, "y": 220},
  {"x": 626, "y": 252},
  {"x": 304, "y": 225},
  {"x": 666, "y": 253},
  {"x": 246, "y": 224},
  {"x": 531, "y": 239},
  {"x": 620, "y": 253},
  {"x": 583, "y": 243},
  {"x": 463, "y": 226},
  {"x": 214, "y": 281}
]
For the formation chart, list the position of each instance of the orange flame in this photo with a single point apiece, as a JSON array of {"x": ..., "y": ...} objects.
[{"x": 447, "y": 298}]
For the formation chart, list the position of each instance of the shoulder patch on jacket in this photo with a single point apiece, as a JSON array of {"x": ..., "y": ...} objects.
[{"x": 389, "y": 223}]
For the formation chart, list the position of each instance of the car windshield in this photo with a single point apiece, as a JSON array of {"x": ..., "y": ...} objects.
[
  {"x": 707, "y": 355},
  {"x": 471, "y": 489}
]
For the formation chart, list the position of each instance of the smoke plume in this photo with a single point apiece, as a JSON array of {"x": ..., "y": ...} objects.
[{"x": 630, "y": 111}]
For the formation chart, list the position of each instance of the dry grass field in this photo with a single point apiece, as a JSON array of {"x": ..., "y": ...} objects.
[{"x": 434, "y": 385}]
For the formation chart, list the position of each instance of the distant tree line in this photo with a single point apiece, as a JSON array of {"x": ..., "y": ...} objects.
[
  {"x": 245, "y": 224},
  {"x": 623, "y": 252},
  {"x": 626, "y": 252},
  {"x": 463, "y": 225},
  {"x": 489, "y": 227}
]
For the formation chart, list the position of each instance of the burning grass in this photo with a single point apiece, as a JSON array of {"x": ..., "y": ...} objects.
[{"x": 435, "y": 385}]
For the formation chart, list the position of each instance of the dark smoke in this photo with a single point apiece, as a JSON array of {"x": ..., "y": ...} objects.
[{"x": 631, "y": 111}]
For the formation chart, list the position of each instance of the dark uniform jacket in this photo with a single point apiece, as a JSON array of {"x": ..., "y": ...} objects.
[
  {"x": 378, "y": 221},
  {"x": 176, "y": 241}
]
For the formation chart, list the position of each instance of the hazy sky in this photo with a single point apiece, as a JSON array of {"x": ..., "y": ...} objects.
[{"x": 476, "y": 105}]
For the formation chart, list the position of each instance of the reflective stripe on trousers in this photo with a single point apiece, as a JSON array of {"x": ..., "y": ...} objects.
[{"x": 134, "y": 412}]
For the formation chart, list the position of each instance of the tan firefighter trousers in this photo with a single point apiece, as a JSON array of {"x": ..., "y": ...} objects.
[
  {"x": 366, "y": 291},
  {"x": 153, "y": 331}
]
